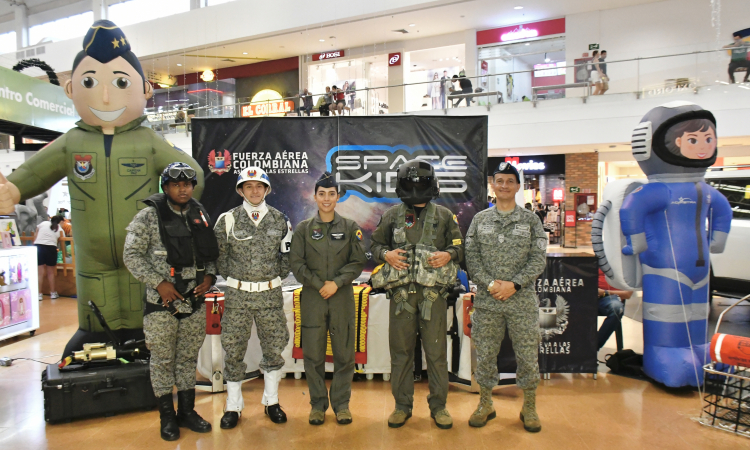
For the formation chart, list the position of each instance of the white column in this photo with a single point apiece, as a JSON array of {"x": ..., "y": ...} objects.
[
  {"x": 396, "y": 99},
  {"x": 195, "y": 4},
  {"x": 100, "y": 9},
  {"x": 470, "y": 55},
  {"x": 21, "y": 21}
]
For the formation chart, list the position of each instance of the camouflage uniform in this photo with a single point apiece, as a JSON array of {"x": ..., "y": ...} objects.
[
  {"x": 405, "y": 321},
  {"x": 328, "y": 252},
  {"x": 174, "y": 343},
  {"x": 256, "y": 259},
  {"x": 509, "y": 247}
]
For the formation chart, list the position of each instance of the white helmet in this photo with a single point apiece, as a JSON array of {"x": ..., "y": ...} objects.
[{"x": 253, "y": 174}]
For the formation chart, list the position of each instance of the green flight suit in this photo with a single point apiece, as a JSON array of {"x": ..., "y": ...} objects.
[
  {"x": 323, "y": 252},
  {"x": 405, "y": 321},
  {"x": 105, "y": 193}
]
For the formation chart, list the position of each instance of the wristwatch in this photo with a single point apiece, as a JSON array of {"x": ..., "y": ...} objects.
[
  {"x": 489, "y": 286},
  {"x": 516, "y": 286}
]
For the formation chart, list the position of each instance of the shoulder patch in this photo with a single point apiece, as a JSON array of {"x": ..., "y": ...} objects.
[
  {"x": 358, "y": 234},
  {"x": 455, "y": 219}
]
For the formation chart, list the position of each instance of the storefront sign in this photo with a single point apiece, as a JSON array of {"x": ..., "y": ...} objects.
[
  {"x": 570, "y": 219},
  {"x": 532, "y": 165},
  {"x": 328, "y": 55},
  {"x": 394, "y": 59},
  {"x": 574, "y": 190},
  {"x": 267, "y": 108},
  {"x": 519, "y": 32},
  {"x": 557, "y": 195},
  {"x": 29, "y": 101}
]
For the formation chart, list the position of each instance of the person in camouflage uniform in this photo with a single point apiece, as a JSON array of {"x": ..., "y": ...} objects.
[
  {"x": 421, "y": 246},
  {"x": 254, "y": 243},
  {"x": 175, "y": 327},
  {"x": 327, "y": 255},
  {"x": 505, "y": 253}
]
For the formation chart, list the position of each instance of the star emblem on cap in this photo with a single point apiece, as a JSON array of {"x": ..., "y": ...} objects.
[
  {"x": 122, "y": 40},
  {"x": 115, "y": 43}
]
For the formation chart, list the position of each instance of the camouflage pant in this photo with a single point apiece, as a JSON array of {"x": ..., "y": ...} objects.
[
  {"x": 174, "y": 346},
  {"x": 521, "y": 317},
  {"x": 403, "y": 339},
  {"x": 236, "y": 329}
]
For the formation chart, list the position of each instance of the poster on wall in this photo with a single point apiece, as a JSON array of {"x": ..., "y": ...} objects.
[
  {"x": 567, "y": 292},
  {"x": 363, "y": 152}
]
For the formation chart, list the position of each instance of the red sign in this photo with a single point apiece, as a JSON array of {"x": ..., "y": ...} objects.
[
  {"x": 265, "y": 108},
  {"x": 570, "y": 219},
  {"x": 519, "y": 32},
  {"x": 557, "y": 195},
  {"x": 394, "y": 59},
  {"x": 328, "y": 55}
]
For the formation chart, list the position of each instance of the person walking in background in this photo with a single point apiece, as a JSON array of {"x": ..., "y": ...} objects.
[
  {"x": 466, "y": 87},
  {"x": 595, "y": 76},
  {"x": 306, "y": 102},
  {"x": 603, "y": 72},
  {"x": 433, "y": 91},
  {"x": 340, "y": 100},
  {"x": 444, "y": 84},
  {"x": 350, "y": 91},
  {"x": 47, "y": 235},
  {"x": 739, "y": 57}
]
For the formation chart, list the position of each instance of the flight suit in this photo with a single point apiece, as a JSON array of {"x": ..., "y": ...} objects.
[
  {"x": 405, "y": 321},
  {"x": 323, "y": 252},
  {"x": 511, "y": 247},
  {"x": 107, "y": 178}
]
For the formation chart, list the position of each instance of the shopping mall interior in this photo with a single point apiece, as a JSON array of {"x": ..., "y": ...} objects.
[{"x": 626, "y": 281}]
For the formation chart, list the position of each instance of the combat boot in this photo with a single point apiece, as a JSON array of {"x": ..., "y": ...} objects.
[
  {"x": 529, "y": 416},
  {"x": 186, "y": 415},
  {"x": 442, "y": 419},
  {"x": 485, "y": 411},
  {"x": 398, "y": 418},
  {"x": 170, "y": 431}
]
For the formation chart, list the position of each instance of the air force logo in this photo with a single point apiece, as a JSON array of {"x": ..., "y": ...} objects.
[{"x": 83, "y": 167}]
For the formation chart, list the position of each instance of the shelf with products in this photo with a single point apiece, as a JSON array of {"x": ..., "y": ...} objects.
[{"x": 19, "y": 296}]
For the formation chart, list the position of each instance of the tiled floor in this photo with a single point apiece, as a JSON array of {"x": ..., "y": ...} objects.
[{"x": 577, "y": 412}]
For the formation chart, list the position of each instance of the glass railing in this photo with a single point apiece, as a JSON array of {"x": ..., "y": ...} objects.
[{"x": 657, "y": 76}]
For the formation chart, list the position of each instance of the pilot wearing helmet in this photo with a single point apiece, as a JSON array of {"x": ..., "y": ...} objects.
[
  {"x": 421, "y": 247},
  {"x": 254, "y": 244}
]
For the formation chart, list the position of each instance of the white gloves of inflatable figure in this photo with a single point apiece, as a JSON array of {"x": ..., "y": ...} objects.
[
  {"x": 9, "y": 196},
  {"x": 637, "y": 244},
  {"x": 718, "y": 242}
]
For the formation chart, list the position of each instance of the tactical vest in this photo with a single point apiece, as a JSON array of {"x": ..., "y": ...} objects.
[
  {"x": 419, "y": 271},
  {"x": 179, "y": 240}
]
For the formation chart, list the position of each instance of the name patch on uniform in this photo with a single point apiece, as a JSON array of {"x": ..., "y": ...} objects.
[
  {"x": 522, "y": 230},
  {"x": 317, "y": 234},
  {"x": 160, "y": 252},
  {"x": 130, "y": 167},
  {"x": 337, "y": 236},
  {"x": 274, "y": 233},
  {"x": 456, "y": 241},
  {"x": 486, "y": 229}
]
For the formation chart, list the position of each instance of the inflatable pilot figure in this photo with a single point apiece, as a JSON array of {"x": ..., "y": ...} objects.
[
  {"x": 667, "y": 242},
  {"x": 254, "y": 244},
  {"x": 112, "y": 163},
  {"x": 506, "y": 250},
  {"x": 172, "y": 249},
  {"x": 421, "y": 247},
  {"x": 327, "y": 255}
]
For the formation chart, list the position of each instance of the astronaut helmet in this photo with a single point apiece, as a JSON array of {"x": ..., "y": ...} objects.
[
  {"x": 416, "y": 182},
  {"x": 178, "y": 171},
  {"x": 675, "y": 138},
  {"x": 253, "y": 173}
]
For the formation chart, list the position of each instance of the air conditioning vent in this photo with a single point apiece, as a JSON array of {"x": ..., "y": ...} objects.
[
  {"x": 30, "y": 52},
  {"x": 40, "y": 50}
]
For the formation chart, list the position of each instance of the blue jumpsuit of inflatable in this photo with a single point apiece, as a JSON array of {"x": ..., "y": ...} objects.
[{"x": 675, "y": 272}]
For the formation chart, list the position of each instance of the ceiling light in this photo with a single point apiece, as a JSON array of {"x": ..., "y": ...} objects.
[
  {"x": 528, "y": 43},
  {"x": 441, "y": 59},
  {"x": 179, "y": 65},
  {"x": 412, "y": 24},
  {"x": 322, "y": 40},
  {"x": 244, "y": 53},
  {"x": 518, "y": 7}
]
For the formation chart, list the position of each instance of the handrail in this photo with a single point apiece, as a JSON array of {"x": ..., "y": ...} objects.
[{"x": 474, "y": 77}]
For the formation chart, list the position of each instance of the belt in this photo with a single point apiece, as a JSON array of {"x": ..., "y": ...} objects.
[
  {"x": 195, "y": 304},
  {"x": 249, "y": 286}
]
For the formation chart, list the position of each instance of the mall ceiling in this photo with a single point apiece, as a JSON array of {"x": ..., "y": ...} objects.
[{"x": 374, "y": 33}]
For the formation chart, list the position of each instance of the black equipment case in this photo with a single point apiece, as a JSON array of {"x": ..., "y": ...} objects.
[{"x": 96, "y": 391}]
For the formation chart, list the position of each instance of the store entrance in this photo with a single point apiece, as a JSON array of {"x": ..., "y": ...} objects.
[{"x": 542, "y": 60}]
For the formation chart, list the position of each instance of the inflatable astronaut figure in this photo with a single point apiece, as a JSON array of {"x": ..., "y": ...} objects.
[{"x": 664, "y": 239}]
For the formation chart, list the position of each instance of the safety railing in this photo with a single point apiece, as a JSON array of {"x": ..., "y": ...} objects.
[{"x": 643, "y": 77}]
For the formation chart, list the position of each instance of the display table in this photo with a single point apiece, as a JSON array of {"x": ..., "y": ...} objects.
[
  {"x": 568, "y": 313},
  {"x": 19, "y": 297}
]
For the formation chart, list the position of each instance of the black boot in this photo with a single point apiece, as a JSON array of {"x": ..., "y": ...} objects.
[
  {"x": 276, "y": 414},
  {"x": 169, "y": 429},
  {"x": 186, "y": 415},
  {"x": 229, "y": 420}
]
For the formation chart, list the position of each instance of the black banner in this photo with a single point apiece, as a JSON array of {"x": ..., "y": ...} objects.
[
  {"x": 567, "y": 291},
  {"x": 363, "y": 152}
]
